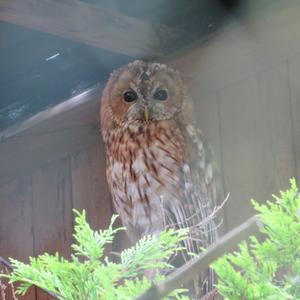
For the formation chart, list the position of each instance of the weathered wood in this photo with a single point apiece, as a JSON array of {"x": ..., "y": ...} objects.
[
  {"x": 49, "y": 135},
  {"x": 16, "y": 236},
  {"x": 52, "y": 211},
  {"x": 248, "y": 45},
  {"x": 254, "y": 116},
  {"x": 89, "y": 188},
  {"x": 274, "y": 95},
  {"x": 293, "y": 65},
  {"x": 222, "y": 60},
  {"x": 87, "y": 23},
  {"x": 52, "y": 208},
  {"x": 242, "y": 153},
  {"x": 84, "y": 104},
  {"x": 257, "y": 140}
]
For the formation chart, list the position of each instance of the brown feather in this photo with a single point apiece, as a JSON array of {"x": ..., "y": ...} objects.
[{"x": 160, "y": 171}]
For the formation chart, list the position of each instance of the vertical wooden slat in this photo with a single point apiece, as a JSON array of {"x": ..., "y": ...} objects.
[
  {"x": 16, "y": 236},
  {"x": 89, "y": 187},
  {"x": 257, "y": 141},
  {"x": 90, "y": 191},
  {"x": 274, "y": 92},
  {"x": 52, "y": 211},
  {"x": 293, "y": 65}
]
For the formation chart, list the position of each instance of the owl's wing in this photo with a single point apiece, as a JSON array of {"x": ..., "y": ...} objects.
[
  {"x": 195, "y": 207},
  {"x": 198, "y": 201},
  {"x": 200, "y": 188}
]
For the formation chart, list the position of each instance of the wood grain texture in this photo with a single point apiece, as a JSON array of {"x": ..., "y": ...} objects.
[
  {"x": 231, "y": 55},
  {"x": 52, "y": 210},
  {"x": 293, "y": 65},
  {"x": 89, "y": 187},
  {"x": 16, "y": 223},
  {"x": 86, "y": 23},
  {"x": 253, "y": 126},
  {"x": 257, "y": 140},
  {"x": 244, "y": 47},
  {"x": 274, "y": 93},
  {"x": 49, "y": 135}
]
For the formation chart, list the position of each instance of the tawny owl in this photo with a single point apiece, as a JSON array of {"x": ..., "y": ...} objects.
[{"x": 159, "y": 166}]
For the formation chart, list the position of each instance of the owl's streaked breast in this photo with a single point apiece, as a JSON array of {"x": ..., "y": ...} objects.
[
  {"x": 159, "y": 166},
  {"x": 143, "y": 171}
]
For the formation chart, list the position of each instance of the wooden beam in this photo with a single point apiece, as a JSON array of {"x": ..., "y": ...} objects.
[
  {"x": 66, "y": 128},
  {"x": 207, "y": 66},
  {"x": 190, "y": 270},
  {"x": 264, "y": 37},
  {"x": 89, "y": 24}
]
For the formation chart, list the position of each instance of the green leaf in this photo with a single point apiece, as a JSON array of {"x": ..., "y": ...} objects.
[{"x": 268, "y": 269}]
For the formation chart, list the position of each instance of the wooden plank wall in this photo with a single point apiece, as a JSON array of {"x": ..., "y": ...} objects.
[
  {"x": 252, "y": 124},
  {"x": 258, "y": 155},
  {"x": 36, "y": 210},
  {"x": 245, "y": 83},
  {"x": 247, "y": 102}
]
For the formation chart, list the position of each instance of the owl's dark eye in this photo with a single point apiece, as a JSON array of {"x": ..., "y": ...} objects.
[
  {"x": 130, "y": 96},
  {"x": 161, "y": 95}
]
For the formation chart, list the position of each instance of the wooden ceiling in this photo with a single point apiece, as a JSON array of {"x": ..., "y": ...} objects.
[
  {"x": 52, "y": 50},
  {"x": 55, "y": 57}
]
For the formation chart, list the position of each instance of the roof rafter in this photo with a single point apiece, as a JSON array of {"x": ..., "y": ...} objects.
[{"x": 90, "y": 24}]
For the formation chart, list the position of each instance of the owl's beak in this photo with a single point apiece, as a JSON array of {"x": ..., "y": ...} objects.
[{"x": 146, "y": 113}]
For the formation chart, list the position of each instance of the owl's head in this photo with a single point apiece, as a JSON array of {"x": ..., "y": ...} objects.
[{"x": 142, "y": 92}]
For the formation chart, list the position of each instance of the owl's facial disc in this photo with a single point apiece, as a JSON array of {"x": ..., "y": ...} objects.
[{"x": 145, "y": 92}]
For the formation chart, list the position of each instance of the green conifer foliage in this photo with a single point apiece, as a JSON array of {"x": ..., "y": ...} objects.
[
  {"x": 268, "y": 269},
  {"x": 88, "y": 275}
]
